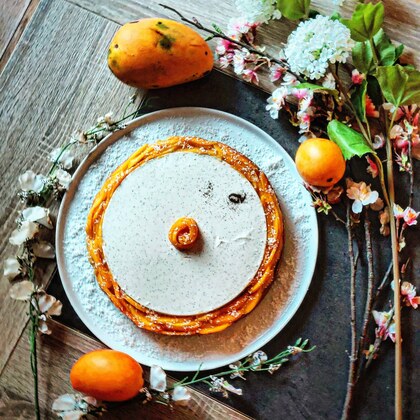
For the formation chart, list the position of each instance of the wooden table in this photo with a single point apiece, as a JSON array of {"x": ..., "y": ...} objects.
[{"x": 55, "y": 80}]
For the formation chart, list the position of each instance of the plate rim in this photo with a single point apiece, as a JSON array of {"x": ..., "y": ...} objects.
[{"x": 291, "y": 307}]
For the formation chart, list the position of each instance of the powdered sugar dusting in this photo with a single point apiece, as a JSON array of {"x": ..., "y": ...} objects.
[{"x": 282, "y": 299}]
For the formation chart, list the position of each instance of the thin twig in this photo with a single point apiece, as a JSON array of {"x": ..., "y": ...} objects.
[
  {"x": 411, "y": 173},
  {"x": 353, "y": 356},
  {"x": 384, "y": 281},
  {"x": 337, "y": 217},
  {"x": 371, "y": 281}
]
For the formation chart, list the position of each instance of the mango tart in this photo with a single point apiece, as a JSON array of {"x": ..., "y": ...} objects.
[{"x": 222, "y": 317}]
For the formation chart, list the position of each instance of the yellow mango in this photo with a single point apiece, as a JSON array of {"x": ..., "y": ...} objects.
[{"x": 155, "y": 53}]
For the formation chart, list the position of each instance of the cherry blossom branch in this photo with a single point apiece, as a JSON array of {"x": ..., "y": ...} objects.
[
  {"x": 353, "y": 356},
  {"x": 371, "y": 280},
  {"x": 217, "y": 33}
]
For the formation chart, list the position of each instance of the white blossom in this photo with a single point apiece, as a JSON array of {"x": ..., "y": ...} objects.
[
  {"x": 22, "y": 290},
  {"x": 64, "y": 402},
  {"x": 329, "y": 81},
  {"x": 258, "y": 10},
  {"x": 258, "y": 358},
  {"x": 37, "y": 214},
  {"x": 361, "y": 194},
  {"x": 157, "y": 379},
  {"x": 27, "y": 230},
  {"x": 30, "y": 181},
  {"x": 63, "y": 158},
  {"x": 289, "y": 79},
  {"x": 276, "y": 101},
  {"x": 73, "y": 406},
  {"x": 43, "y": 249},
  {"x": 11, "y": 268},
  {"x": 315, "y": 44},
  {"x": 48, "y": 306},
  {"x": 181, "y": 395},
  {"x": 239, "y": 57},
  {"x": 63, "y": 178}
]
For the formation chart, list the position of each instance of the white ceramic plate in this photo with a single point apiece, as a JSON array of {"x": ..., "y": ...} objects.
[{"x": 248, "y": 334}]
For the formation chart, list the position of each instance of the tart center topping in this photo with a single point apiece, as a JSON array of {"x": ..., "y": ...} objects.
[{"x": 183, "y": 233}]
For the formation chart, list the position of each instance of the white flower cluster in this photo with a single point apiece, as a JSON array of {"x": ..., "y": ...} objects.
[
  {"x": 260, "y": 11},
  {"x": 316, "y": 43}
]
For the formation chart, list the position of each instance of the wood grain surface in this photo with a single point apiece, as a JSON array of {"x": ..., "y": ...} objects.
[
  {"x": 11, "y": 13},
  {"x": 55, "y": 81},
  {"x": 15, "y": 25},
  {"x": 58, "y": 352}
]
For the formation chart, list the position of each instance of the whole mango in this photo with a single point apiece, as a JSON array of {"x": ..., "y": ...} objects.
[{"x": 155, "y": 53}]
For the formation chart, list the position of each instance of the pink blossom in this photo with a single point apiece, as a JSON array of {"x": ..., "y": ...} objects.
[
  {"x": 372, "y": 168},
  {"x": 223, "y": 46},
  {"x": 382, "y": 319},
  {"x": 356, "y": 77},
  {"x": 250, "y": 76},
  {"x": 276, "y": 72},
  {"x": 398, "y": 211},
  {"x": 410, "y": 216},
  {"x": 304, "y": 122},
  {"x": 408, "y": 292},
  {"x": 300, "y": 93}
]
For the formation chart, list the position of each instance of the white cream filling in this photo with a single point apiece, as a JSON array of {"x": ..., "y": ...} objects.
[{"x": 144, "y": 207}]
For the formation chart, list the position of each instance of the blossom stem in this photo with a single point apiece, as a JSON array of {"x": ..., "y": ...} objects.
[
  {"x": 353, "y": 356},
  {"x": 247, "y": 365},
  {"x": 384, "y": 280},
  {"x": 33, "y": 331},
  {"x": 381, "y": 177},
  {"x": 216, "y": 34},
  {"x": 371, "y": 280},
  {"x": 396, "y": 275}
]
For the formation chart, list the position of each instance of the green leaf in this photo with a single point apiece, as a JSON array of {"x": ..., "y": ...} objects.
[
  {"x": 358, "y": 98},
  {"x": 363, "y": 58},
  {"x": 387, "y": 53},
  {"x": 295, "y": 9},
  {"x": 366, "y": 21},
  {"x": 385, "y": 49},
  {"x": 348, "y": 140},
  {"x": 318, "y": 89},
  {"x": 400, "y": 85},
  {"x": 398, "y": 51}
]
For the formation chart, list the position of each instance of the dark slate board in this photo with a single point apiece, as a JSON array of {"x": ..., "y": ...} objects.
[{"x": 314, "y": 386}]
